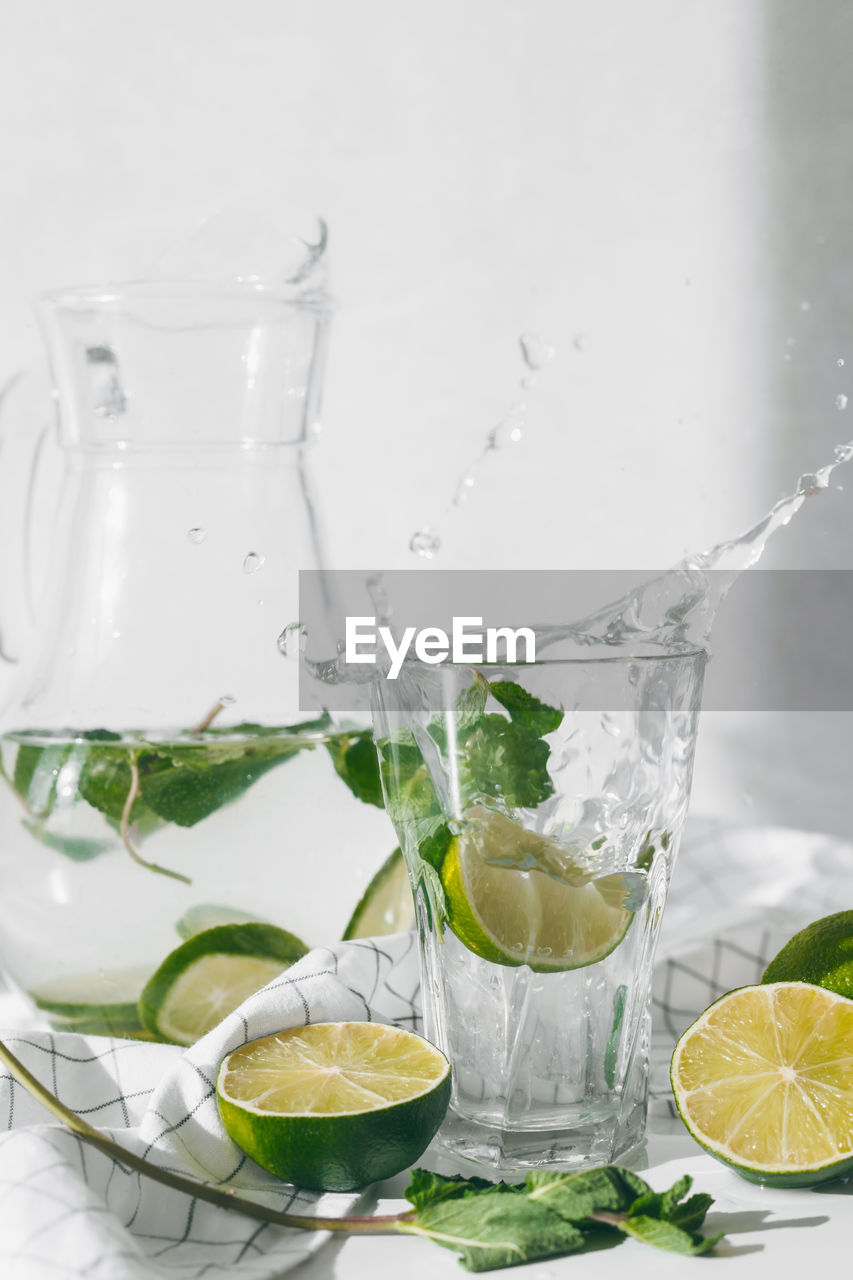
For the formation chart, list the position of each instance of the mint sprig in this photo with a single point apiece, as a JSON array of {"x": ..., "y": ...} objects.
[{"x": 495, "y": 1225}]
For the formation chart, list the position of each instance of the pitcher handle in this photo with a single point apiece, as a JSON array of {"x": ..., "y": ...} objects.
[{"x": 24, "y": 428}]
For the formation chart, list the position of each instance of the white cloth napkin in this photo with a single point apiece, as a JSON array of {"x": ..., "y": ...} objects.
[{"x": 66, "y": 1210}]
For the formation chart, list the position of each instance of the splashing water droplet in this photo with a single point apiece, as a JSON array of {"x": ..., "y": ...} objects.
[
  {"x": 844, "y": 452},
  {"x": 812, "y": 482},
  {"x": 253, "y": 562},
  {"x": 840, "y": 362},
  {"x": 293, "y": 633},
  {"x": 425, "y": 543},
  {"x": 379, "y": 598},
  {"x": 841, "y": 401},
  {"x": 197, "y": 535},
  {"x": 466, "y": 483},
  {"x": 509, "y": 430},
  {"x": 536, "y": 352}
]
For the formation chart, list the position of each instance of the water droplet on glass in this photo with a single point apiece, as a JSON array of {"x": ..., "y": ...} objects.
[
  {"x": 790, "y": 342},
  {"x": 840, "y": 362},
  {"x": 535, "y": 351},
  {"x": 197, "y": 535},
  {"x": 844, "y": 452},
  {"x": 108, "y": 397},
  {"x": 253, "y": 562},
  {"x": 788, "y": 357},
  {"x": 841, "y": 401},
  {"x": 425, "y": 543},
  {"x": 805, "y": 305}
]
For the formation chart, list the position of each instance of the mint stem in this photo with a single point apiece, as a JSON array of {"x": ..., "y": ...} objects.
[
  {"x": 124, "y": 829},
  {"x": 378, "y": 1225},
  {"x": 208, "y": 720}
]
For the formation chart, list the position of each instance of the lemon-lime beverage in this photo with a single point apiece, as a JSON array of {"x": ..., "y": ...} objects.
[
  {"x": 115, "y": 849},
  {"x": 539, "y": 808}
]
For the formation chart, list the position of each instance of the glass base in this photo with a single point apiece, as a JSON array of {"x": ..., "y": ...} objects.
[{"x": 492, "y": 1151}]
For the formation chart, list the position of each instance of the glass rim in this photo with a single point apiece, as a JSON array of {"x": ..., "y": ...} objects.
[
  {"x": 601, "y": 660},
  {"x": 119, "y": 295}
]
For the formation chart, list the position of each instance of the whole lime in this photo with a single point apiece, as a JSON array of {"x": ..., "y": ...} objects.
[{"x": 821, "y": 953}]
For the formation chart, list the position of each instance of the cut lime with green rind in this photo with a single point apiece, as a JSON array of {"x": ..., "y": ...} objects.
[
  {"x": 822, "y": 953},
  {"x": 129, "y": 1029},
  {"x": 334, "y": 1106},
  {"x": 208, "y": 976},
  {"x": 207, "y": 915},
  {"x": 512, "y": 917},
  {"x": 762, "y": 1080},
  {"x": 386, "y": 905},
  {"x": 107, "y": 995}
]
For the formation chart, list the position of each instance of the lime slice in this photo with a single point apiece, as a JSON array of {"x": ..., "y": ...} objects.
[
  {"x": 335, "y": 1105},
  {"x": 386, "y": 905},
  {"x": 514, "y": 917},
  {"x": 822, "y": 953},
  {"x": 209, "y": 916},
  {"x": 208, "y": 976},
  {"x": 764, "y": 1081},
  {"x": 103, "y": 996}
]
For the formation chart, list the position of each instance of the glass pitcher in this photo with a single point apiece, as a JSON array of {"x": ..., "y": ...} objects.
[{"x": 156, "y": 777}]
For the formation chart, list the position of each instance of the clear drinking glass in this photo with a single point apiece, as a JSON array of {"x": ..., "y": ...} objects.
[{"x": 539, "y": 808}]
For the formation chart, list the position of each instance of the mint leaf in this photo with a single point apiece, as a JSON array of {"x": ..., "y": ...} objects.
[
  {"x": 690, "y": 1215},
  {"x": 666, "y": 1235},
  {"x": 524, "y": 709},
  {"x": 357, "y": 764},
  {"x": 577, "y": 1195},
  {"x": 37, "y": 773},
  {"x": 508, "y": 761},
  {"x": 496, "y": 1228},
  {"x": 427, "y": 1188}
]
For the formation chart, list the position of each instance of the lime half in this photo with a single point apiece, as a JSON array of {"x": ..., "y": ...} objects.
[
  {"x": 822, "y": 953},
  {"x": 335, "y": 1105},
  {"x": 764, "y": 1081},
  {"x": 386, "y": 905},
  {"x": 514, "y": 917},
  {"x": 202, "y": 981}
]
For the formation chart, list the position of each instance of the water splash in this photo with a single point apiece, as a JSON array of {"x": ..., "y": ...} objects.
[
  {"x": 536, "y": 355},
  {"x": 294, "y": 634},
  {"x": 197, "y": 535},
  {"x": 675, "y": 611},
  {"x": 841, "y": 401},
  {"x": 253, "y": 562}
]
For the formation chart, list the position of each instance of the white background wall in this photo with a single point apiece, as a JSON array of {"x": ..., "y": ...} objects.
[{"x": 657, "y": 188}]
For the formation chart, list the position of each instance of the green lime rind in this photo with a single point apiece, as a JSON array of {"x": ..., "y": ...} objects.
[
  {"x": 804, "y": 1175},
  {"x": 209, "y": 915},
  {"x": 339, "y": 1152},
  {"x": 386, "y": 906},
  {"x": 262, "y": 941},
  {"x": 466, "y": 924},
  {"x": 821, "y": 954}
]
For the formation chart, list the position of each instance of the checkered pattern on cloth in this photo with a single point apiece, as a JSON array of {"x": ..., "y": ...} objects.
[{"x": 66, "y": 1210}]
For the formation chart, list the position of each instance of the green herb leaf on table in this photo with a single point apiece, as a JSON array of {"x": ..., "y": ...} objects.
[{"x": 498, "y": 1225}]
